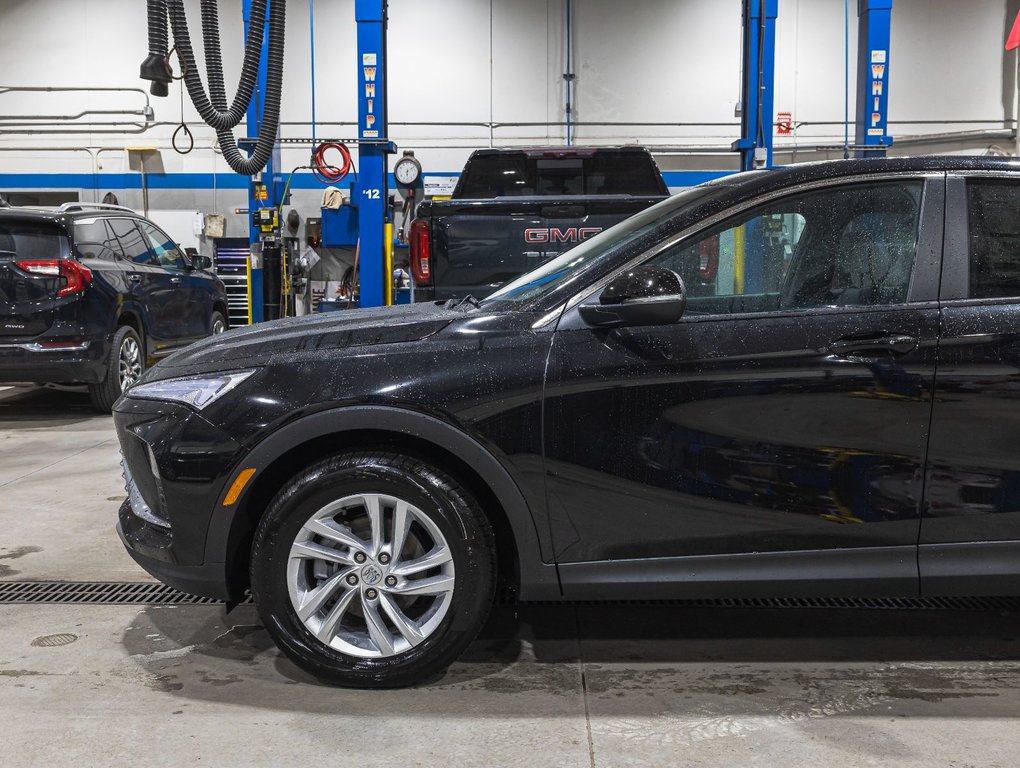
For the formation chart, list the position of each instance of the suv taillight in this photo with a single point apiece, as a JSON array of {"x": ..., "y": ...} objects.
[
  {"x": 76, "y": 277},
  {"x": 421, "y": 256}
]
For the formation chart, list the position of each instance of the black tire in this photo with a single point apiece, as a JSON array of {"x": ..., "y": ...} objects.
[
  {"x": 105, "y": 393},
  {"x": 219, "y": 322},
  {"x": 446, "y": 503}
]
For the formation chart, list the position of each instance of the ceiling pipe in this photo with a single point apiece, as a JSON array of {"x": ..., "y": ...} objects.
[
  {"x": 4, "y": 89},
  {"x": 18, "y": 121},
  {"x": 42, "y": 121}
]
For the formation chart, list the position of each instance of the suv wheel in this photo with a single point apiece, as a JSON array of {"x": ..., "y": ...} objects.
[
  {"x": 218, "y": 324},
  {"x": 373, "y": 570},
  {"x": 124, "y": 368}
]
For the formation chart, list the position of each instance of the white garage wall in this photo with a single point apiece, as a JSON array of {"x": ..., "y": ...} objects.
[{"x": 669, "y": 67}]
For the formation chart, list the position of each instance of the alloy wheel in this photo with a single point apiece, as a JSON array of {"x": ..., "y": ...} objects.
[
  {"x": 129, "y": 362},
  {"x": 370, "y": 575},
  {"x": 218, "y": 327}
]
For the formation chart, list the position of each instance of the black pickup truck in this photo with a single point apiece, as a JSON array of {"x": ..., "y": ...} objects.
[{"x": 512, "y": 209}]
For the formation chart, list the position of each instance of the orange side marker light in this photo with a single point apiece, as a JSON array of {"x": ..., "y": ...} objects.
[{"x": 239, "y": 483}]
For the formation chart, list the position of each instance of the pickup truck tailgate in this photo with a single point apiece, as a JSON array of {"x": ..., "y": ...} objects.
[{"x": 481, "y": 244}]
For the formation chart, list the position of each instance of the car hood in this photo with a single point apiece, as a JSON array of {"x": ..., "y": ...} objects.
[{"x": 259, "y": 344}]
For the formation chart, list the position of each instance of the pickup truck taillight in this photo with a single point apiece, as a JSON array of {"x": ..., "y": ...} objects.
[
  {"x": 421, "y": 255},
  {"x": 76, "y": 277},
  {"x": 708, "y": 258}
]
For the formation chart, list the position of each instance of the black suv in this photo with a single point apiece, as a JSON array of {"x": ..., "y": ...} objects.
[
  {"x": 801, "y": 382},
  {"x": 90, "y": 292}
]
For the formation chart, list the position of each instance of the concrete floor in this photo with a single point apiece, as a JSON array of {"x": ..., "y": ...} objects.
[{"x": 544, "y": 686}]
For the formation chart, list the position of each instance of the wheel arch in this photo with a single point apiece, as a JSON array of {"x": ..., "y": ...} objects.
[
  {"x": 220, "y": 306},
  {"x": 287, "y": 450},
  {"x": 130, "y": 317}
]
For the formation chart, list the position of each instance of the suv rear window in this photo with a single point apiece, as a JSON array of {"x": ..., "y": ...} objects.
[
  {"x": 518, "y": 174},
  {"x": 30, "y": 240}
]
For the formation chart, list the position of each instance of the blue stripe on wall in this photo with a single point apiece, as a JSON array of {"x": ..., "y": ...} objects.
[
  {"x": 121, "y": 181},
  {"x": 233, "y": 181},
  {"x": 692, "y": 178}
]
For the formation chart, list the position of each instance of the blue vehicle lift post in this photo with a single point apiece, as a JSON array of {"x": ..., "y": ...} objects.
[
  {"x": 874, "y": 19},
  {"x": 757, "y": 94},
  {"x": 371, "y": 191},
  {"x": 264, "y": 190}
]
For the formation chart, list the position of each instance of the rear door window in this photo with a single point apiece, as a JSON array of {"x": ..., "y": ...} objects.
[
  {"x": 993, "y": 213},
  {"x": 132, "y": 242}
]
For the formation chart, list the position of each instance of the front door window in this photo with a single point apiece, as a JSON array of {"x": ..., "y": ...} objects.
[{"x": 844, "y": 246}]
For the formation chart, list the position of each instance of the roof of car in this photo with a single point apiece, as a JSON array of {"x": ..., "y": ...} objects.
[
  {"x": 574, "y": 150},
  {"x": 807, "y": 172},
  {"x": 65, "y": 213}
]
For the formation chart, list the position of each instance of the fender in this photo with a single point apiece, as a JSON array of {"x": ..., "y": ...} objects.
[{"x": 539, "y": 580}]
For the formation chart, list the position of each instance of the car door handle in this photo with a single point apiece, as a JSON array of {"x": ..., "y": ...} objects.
[
  {"x": 895, "y": 343},
  {"x": 134, "y": 277},
  {"x": 175, "y": 281}
]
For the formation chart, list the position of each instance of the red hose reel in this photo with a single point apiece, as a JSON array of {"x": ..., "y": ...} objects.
[{"x": 327, "y": 172}]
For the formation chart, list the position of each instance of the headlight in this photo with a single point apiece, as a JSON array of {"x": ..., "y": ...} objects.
[{"x": 197, "y": 392}]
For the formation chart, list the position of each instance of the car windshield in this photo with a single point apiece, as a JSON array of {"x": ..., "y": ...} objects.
[{"x": 554, "y": 273}]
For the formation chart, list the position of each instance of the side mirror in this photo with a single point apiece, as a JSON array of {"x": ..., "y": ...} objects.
[
  {"x": 645, "y": 295},
  {"x": 203, "y": 263}
]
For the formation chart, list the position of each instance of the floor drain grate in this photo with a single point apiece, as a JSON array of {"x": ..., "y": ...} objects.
[
  {"x": 54, "y": 641},
  {"x": 97, "y": 593},
  {"x": 154, "y": 593}
]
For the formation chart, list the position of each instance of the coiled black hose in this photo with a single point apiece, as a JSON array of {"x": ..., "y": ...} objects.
[
  {"x": 213, "y": 107},
  {"x": 158, "y": 36},
  {"x": 213, "y": 57},
  {"x": 270, "y": 124},
  {"x": 212, "y": 116},
  {"x": 154, "y": 67}
]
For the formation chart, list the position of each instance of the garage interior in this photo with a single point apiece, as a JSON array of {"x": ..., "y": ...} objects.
[{"x": 100, "y": 664}]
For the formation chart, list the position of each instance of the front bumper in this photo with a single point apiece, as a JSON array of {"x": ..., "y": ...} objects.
[
  {"x": 178, "y": 464},
  {"x": 206, "y": 580}
]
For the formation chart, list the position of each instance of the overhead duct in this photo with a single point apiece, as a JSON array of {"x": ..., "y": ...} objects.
[
  {"x": 155, "y": 68},
  {"x": 212, "y": 106}
]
